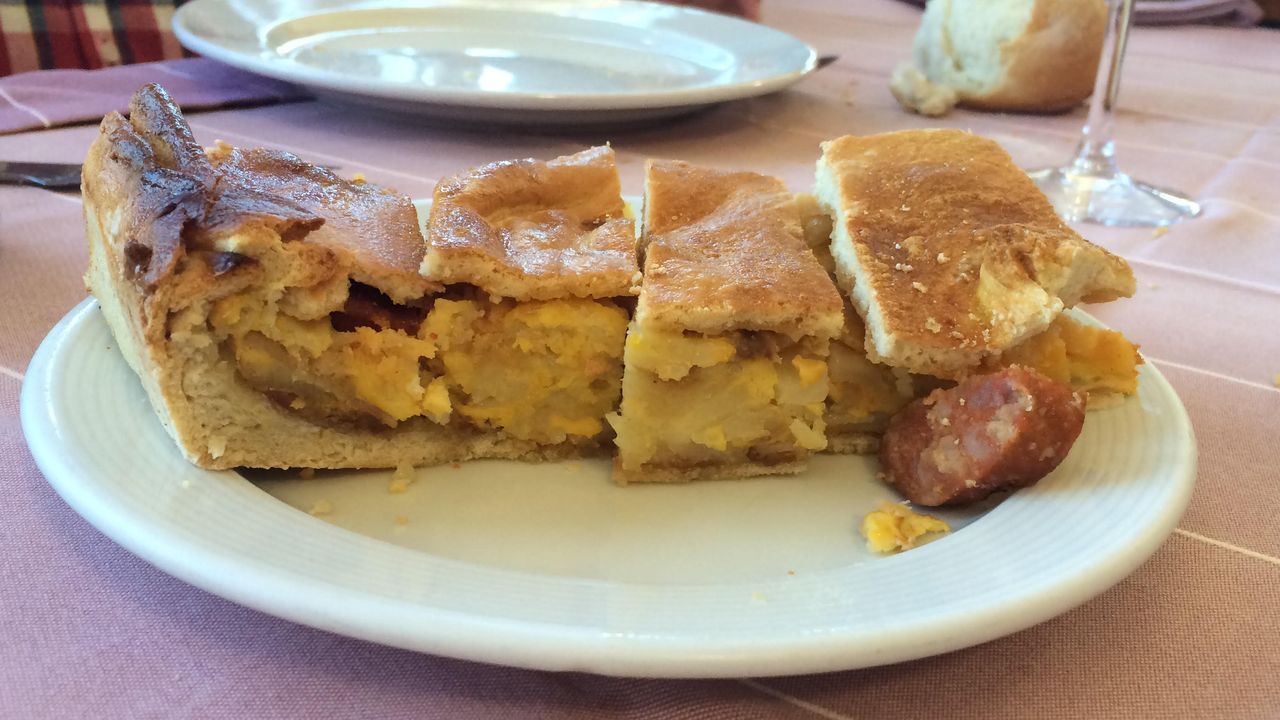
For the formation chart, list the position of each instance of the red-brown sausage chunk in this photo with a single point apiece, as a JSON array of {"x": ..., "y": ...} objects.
[{"x": 991, "y": 432}]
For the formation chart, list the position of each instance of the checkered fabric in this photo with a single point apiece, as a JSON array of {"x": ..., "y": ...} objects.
[{"x": 44, "y": 34}]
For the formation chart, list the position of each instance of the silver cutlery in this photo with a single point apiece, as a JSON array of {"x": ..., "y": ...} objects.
[{"x": 51, "y": 176}]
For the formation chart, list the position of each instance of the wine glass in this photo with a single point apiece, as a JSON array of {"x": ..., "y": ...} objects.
[{"x": 1092, "y": 188}]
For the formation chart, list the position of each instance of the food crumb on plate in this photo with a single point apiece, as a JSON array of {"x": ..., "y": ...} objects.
[
  {"x": 307, "y": 473},
  {"x": 401, "y": 479},
  {"x": 320, "y": 507},
  {"x": 895, "y": 527}
]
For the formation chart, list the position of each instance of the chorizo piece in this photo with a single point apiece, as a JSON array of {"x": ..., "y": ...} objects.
[
  {"x": 991, "y": 432},
  {"x": 368, "y": 307}
]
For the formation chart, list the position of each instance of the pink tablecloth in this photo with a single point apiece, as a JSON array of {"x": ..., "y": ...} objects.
[
  {"x": 52, "y": 98},
  {"x": 87, "y": 630}
]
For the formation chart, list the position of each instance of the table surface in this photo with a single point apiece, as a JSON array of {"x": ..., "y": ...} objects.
[{"x": 88, "y": 630}]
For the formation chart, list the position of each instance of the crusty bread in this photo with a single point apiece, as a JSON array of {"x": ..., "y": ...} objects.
[
  {"x": 1021, "y": 55},
  {"x": 725, "y": 251},
  {"x": 534, "y": 230},
  {"x": 170, "y": 233},
  {"x": 949, "y": 252}
]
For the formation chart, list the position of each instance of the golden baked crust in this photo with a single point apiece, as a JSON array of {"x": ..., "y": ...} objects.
[
  {"x": 163, "y": 203},
  {"x": 533, "y": 230},
  {"x": 725, "y": 251},
  {"x": 378, "y": 225},
  {"x": 949, "y": 251}
]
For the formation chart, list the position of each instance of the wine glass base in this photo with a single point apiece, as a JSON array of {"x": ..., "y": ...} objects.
[{"x": 1111, "y": 199}]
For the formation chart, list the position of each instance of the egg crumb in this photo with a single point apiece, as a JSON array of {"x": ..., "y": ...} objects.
[
  {"x": 320, "y": 507},
  {"x": 402, "y": 520},
  {"x": 307, "y": 473},
  {"x": 401, "y": 479},
  {"x": 1276, "y": 380},
  {"x": 896, "y": 527},
  {"x": 1159, "y": 231}
]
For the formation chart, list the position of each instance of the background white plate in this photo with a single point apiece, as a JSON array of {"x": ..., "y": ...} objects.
[
  {"x": 550, "y": 566},
  {"x": 525, "y": 61}
]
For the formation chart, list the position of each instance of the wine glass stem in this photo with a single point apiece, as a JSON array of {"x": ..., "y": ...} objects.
[{"x": 1096, "y": 154}]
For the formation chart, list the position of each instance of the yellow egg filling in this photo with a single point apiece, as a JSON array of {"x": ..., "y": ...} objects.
[
  {"x": 545, "y": 371},
  {"x": 1087, "y": 358},
  {"x": 361, "y": 375},
  {"x": 691, "y": 400},
  {"x": 863, "y": 394}
]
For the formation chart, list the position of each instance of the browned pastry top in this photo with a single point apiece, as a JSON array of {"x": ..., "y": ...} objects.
[
  {"x": 377, "y": 226},
  {"x": 724, "y": 251},
  {"x": 529, "y": 229},
  {"x": 950, "y": 251},
  {"x": 172, "y": 197}
]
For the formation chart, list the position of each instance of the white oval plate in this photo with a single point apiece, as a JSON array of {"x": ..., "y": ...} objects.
[
  {"x": 523, "y": 61},
  {"x": 552, "y": 567}
]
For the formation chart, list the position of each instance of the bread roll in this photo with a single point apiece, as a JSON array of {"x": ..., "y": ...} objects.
[{"x": 1019, "y": 55}]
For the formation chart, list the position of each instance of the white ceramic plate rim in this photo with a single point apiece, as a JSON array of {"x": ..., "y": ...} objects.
[
  {"x": 283, "y": 69},
  {"x": 248, "y": 580}
]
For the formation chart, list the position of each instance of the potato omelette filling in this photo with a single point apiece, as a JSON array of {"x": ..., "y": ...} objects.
[
  {"x": 864, "y": 394},
  {"x": 745, "y": 396},
  {"x": 1095, "y": 360},
  {"x": 334, "y": 357},
  {"x": 544, "y": 371}
]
